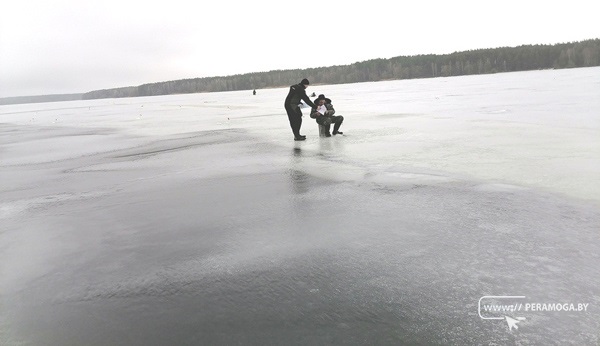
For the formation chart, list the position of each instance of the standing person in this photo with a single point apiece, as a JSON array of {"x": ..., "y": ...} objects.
[{"x": 297, "y": 93}]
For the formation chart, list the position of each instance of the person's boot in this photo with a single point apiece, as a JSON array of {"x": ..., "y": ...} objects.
[
  {"x": 336, "y": 127},
  {"x": 301, "y": 138},
  {"x": 326, "y": 128}
]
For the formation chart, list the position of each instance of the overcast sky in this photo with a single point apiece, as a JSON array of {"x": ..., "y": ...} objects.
[{"x": 52, "y": 47}]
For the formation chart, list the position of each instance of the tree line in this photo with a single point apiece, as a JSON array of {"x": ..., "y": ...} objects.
[
  {"x": 39, "y": 98},
  {"x": 481, "y": 61}
]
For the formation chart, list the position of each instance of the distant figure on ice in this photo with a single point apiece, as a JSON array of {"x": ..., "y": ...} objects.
[
  {"x": 324, "y": 112},
  {"x": 291, "y": 104},
  {"x": 254, "y": 92},
  {"x": 313, "y": 94}
]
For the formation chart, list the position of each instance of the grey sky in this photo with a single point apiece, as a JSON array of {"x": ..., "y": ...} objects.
[{"x": 50, "y": 47}]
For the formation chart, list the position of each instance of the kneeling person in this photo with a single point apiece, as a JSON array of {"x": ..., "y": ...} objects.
[{"x": 324, "y": 112}]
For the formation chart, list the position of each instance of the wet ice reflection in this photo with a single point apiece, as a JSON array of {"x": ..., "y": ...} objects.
[{"x": 195, "y": 219}]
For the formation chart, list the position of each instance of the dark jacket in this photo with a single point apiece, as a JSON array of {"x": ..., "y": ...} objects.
[
  {"x": 330, "y": 111},
  {"x": 297, "y": 93}
]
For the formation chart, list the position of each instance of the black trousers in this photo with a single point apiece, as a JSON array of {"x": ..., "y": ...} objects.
[
  {"x": 295, "y": 116},
  {"x": 326, "y": 121}
]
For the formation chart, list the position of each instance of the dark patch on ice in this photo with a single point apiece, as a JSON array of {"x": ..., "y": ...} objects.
[{"x": 188, "y": 141}]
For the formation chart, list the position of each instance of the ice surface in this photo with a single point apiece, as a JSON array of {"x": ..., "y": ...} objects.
[{"x": 196, "y": 219}]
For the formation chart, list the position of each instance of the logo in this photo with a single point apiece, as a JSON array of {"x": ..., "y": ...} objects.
[
  {"x": 496, "y": 307},
  {"x": 511, "y": 308}
]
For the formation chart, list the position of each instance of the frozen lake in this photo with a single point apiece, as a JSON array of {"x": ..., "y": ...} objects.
[{"x": 196, "y": 219}]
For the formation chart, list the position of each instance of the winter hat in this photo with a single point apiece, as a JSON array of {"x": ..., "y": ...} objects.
[
  {"x": 322, "y": 97},
  {"x": 305, "y": 82}
]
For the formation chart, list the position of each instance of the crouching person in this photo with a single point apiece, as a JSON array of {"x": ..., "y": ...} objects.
[{"x": 323, "y": 113}]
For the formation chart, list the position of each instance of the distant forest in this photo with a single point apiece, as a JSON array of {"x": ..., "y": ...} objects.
[
  {"x": 39, "y": 99},
  {"x": 481, "y": 61}
]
